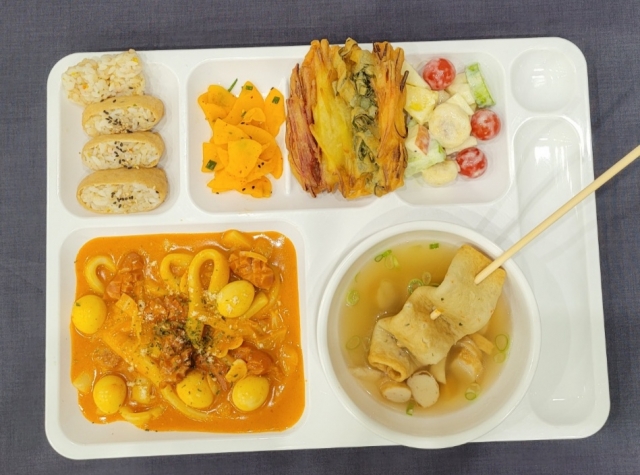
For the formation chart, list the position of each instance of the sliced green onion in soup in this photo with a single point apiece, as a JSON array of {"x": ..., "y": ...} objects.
[
  {"x": 499, "y": 357},
  {"x": 353, "y": 342},
  {"x": 426, "y": 278},
  {"x": 382, "y": 255},
  {"x": 502, "y": 342},
  {"x": 410, "y": 406},
  {"x": 472, "y": 392},
  {"x": 434, "y": 245},
  {"x": 353, "y": 297},
  {"x": 413, "y": 285},
  {"x": 391, "y": 262}
]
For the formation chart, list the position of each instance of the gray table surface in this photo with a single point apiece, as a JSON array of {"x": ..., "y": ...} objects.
[{"x": 35, "y": 35}]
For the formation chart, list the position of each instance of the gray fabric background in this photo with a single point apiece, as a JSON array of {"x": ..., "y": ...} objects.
[{"x": 35, "y": 35}]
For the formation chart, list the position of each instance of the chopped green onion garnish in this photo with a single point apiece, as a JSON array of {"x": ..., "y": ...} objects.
[
  {"x": 499, "y": 357},
  {"x": 426, "y": 278},
  {"x": 379, "y": 257},
  {"x": 232, "y": 85},
  {"x": 391, "y": 262},
  {"x": 413, "y": 285},
  {"x": 275, "y": 100},
  {"x": 409, "y": 410},
  {"x": 353, "y": 343},
  {"x": 502, "y": 342},
  {"x": 249, "y": 88},
  {"x": 434, "y": 245},
  {"x": 472, "y": 392},
  {"x": 353, "y": 297},
  {"x": 211, "y": 165}
]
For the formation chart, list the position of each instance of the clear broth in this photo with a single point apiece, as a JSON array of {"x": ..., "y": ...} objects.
[{"x": 382, "y": 286}]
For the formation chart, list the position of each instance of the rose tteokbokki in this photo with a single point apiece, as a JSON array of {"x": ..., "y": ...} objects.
[{"x": 189, "y": 332}]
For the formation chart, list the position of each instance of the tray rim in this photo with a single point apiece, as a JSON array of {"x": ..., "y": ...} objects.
[{"x": 54, "y": 207}]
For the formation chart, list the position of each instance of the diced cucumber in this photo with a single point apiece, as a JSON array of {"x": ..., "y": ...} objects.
[
  {"x": 417, "y": 160},
  {"x": 478, "y": 86}
]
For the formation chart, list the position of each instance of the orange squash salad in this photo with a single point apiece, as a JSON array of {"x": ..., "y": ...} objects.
[
  {"x": 189, "y": 332},
  {"x": 242, "y": 151}
]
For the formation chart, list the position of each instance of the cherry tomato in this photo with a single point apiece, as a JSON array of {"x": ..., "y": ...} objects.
[
  {"x": 439, "y": 73},
  {"x": 485, "y": 124},
  {"x": 472, "y": 162}
]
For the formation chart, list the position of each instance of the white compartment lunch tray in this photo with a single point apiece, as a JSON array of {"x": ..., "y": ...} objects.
[{"x": 541, "y": 158}]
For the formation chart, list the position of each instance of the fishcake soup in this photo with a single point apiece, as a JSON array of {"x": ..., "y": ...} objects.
[
  {"x": 415, "y": 333},
  {"x": 189, "y": 332}
]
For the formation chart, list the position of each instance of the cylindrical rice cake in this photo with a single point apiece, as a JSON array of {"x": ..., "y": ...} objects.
[
  {"x": 123, "y": 190},
  {"x": 120, "y": 115},
  {"x": 136, "y": 150}
]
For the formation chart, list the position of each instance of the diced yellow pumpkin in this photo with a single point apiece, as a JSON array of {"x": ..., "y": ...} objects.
[
  {"x": 219, "y": 96},
  {"x": 243, "y": 145},
  {"x": 260, "y": 188},
  {"x": 209, "y": 157},
  {"x": 271, "y": 152},
  {"x": 261, "y": 169},
  {"x": 258, "y": 134},
  {"x": 253, "y": 116},
  {"x": 223, "y": 157},
  {"x": 243, "y": 155},
  {"x": 274, "y": 111},
  {"x": 224, "y": 133},
  {"x": 249, "y": 98},
  {"x": 222, "y": 181},
  {"x": 277, "y": 167},
  {"x": 212, "y": 112}
]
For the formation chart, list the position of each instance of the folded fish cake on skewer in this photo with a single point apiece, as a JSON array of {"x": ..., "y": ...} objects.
[
  {"x": 434, "y": 318},
  {"x": 414, "y": 345}
]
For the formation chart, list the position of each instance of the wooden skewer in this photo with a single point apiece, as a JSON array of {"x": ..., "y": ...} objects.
[{"x": 601, "y": 180}]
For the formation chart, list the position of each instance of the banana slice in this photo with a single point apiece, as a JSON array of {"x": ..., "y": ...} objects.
[{"x": 449, "y": 125}]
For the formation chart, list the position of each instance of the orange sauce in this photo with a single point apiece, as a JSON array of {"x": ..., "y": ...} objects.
[{"x": 286, "y": 400}]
